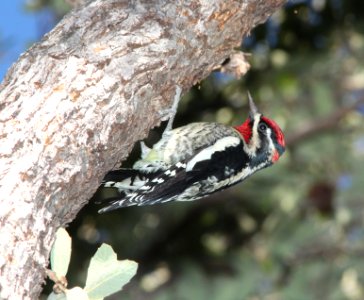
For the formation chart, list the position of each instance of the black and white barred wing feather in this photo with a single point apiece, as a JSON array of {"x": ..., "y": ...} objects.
[{"x": 213, "y": 168}]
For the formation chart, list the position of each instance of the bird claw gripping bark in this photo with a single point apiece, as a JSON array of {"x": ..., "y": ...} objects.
[
  {"x": 171, "y": 113},
  {"x": 167, "y": 114}
]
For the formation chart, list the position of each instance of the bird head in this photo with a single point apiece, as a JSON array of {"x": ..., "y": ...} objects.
[{"x": 262, "y": 136}]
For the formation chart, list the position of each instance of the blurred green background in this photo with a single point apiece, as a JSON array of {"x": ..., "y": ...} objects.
[{"x": 293, "y": 231}]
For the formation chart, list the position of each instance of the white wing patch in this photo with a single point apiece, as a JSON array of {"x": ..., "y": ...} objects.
[
  {"x": 206, "y": 154},
  {"x": 170, "y": 173},
  {"x": 181, "y": 165},
  {"x": 158, "y": 180},
  {"x": 125, "y": 184}
]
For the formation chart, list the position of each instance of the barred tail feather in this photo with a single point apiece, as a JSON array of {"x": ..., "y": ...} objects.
[
  {"x": 139, "y": 189},
  {"x": 135, "y": 199},
  {"x": 119, "y": 175},
  {"x": 115, "y": 204},
  {"x": 125, "y": 179}
]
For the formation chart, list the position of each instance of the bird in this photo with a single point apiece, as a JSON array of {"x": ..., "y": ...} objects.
[{"x": 196, "y": 160}]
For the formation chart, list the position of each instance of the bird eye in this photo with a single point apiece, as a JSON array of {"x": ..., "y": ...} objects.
[{"x": 262, "y": 127}]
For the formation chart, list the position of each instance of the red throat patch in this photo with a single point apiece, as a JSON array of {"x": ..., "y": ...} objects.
[
  {"x": 275, "y": 156},
  {"x": 245, "y": 130}
]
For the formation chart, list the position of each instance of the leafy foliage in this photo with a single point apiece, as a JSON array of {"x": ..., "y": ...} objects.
[
  {"x": 61, "y": 253},
  {"x": 106, "y": 275}
]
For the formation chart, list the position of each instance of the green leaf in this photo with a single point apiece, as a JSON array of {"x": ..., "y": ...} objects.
[
  {"x": 61, "y": 252},
  {"x": 54, "y": 296},
  {"x": 107, "y": 275},
  {"x": 75, "y": 293}
]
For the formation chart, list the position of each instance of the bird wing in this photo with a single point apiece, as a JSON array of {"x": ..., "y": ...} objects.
[{"x": 181, "y": 181}]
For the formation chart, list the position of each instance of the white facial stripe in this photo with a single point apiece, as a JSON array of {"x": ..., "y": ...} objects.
[
  {"x": 271, "y": 144},
  {"x": 254, "y": 143},
  {"x": 269, "y": 134},
  {"x": 206, "y": 154},
  {"x": 255, "y": 140}
]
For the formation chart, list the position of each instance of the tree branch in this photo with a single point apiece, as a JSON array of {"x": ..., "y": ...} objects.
[
  {"x": 74, "y": 104},
  {"x": 315, "y": 127}
]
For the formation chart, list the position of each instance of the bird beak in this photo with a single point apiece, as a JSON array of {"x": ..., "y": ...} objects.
[{"x": 253, "y": 109}]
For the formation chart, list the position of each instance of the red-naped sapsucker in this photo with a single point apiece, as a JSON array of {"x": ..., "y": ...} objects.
[{"x": 196, "y": 160}]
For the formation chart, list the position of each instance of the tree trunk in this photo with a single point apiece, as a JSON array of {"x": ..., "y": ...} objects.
[{"x": 74, "y": 104}]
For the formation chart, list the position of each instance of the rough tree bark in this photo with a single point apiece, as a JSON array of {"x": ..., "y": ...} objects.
[{"x": 74, "y": 104}]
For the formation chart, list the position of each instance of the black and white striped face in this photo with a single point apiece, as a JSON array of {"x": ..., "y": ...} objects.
[
  {"x": 264, "y": 140},
  {"x": 267, "y": 140}
]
